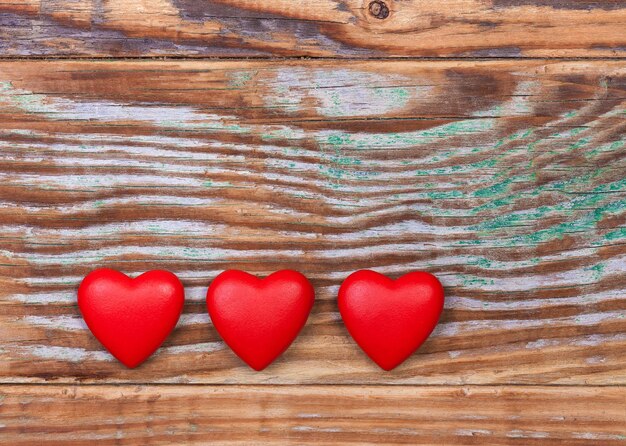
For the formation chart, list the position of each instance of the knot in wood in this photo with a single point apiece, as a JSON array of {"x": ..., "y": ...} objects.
[{"x": 379, "y": 9}]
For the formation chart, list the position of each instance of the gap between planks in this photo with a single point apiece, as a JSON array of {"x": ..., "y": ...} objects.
[
  {"x": 5, "y": 384},
  {"x": 91, "y": 58}
]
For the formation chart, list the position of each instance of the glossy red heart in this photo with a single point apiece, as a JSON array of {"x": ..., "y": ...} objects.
[
  {"x": 390, "y": 319},
  {"x": 131, "y": 317},
  {"x": 259, "y": 318}
]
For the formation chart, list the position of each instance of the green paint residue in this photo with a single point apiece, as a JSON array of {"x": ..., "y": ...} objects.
[
  {"x": 416, "y": 138},
  {"x": 444, "y": 194},
  {"x": 474, "y": 281},
  {"x": 241, "y": 78},
  {"x": 609, "y": 147},
  {"x": 494, "y": 190},
  {"x": 618, "y": 234},
  {"x": 578, "y": 144},
  {"x": 597, "y": 271},
  {"x": 282, "y": 133}
]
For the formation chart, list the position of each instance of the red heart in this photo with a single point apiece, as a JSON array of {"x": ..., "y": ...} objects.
[
  {"x": 259, "y": 318},
  {"x": 390, "y": 319},
  {"x": 131, "y": 317}
]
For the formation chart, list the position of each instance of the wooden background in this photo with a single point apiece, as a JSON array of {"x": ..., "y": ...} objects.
[{"x": 481, "y": 140}]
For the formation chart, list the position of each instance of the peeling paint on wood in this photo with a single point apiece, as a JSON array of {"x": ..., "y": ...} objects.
[{"x": 504, "y": 178}]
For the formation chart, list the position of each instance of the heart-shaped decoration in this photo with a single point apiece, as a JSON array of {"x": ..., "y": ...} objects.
[
  {"x": 259, "y": 318},
  {"x": 390, "y": 319},
  {"x": 131, "y": 317}
]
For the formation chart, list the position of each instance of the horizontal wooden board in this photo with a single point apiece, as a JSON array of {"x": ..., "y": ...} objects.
[
  {"x": 505, "y": 179},
  {"x": 327, "y": 28},
  {"x": 337, "y": 415}
]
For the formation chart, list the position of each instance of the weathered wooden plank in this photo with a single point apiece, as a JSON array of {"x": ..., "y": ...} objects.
[
  {"x": 506, "y": 179},
  {"x": 337, "y": 415},
  {"x": 335, "y": 28}
]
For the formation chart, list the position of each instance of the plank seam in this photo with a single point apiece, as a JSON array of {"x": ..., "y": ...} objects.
[
  {"x": 307, "y": 58},
  {"x": 308, "y": 385}
]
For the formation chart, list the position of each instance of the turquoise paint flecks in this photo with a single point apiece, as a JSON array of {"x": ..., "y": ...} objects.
[
  {"x": 494, "y": 204},
  {"x": 217, "y": 184},
  {"x": 344, "y": 160},
  {"x": 25, "y": 100},
  {"x": 578, "y": 144},
  {"x": 339, "y": 139},
  {"x": 563, "y": 186},
  {"x": 597, "y": 270},
  {"x": 379, "y": 100},
  {"x": 499, "y": 188},
  {"x": 443, "y": 195},
  {"x": 618, "y": 234},
  {"x": 474, "y": 281},
  {"x": 335, "y": 92},
  {"x": 335, "y": 165},
  {"x": 594, "y": 199},
  {"x": 457, "y": 168},
  {"x": 240, "y": 78},
  {"x": 583, "y": 202},
  {"x": 583, "y": 224},
  {"x": 485, "y": 263},
  {"x": 404, "y": 139},
  {"x": 616, "y": 186},
  {"x": 609, "y": 147},
  {"x": 281, "y": 133},
  {"x": 568, "y": 133},
  {"x": 339, "y": 173}
]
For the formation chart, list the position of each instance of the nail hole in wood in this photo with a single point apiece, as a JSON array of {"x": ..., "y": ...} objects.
[{"x": 379, "y": 9}]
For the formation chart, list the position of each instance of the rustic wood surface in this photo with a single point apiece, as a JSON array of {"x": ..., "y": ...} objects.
[
  {"x": 344, "y": 28},
  {"x": 148, "y": 415},
  {"x": 500, "y": 167},
  {"x": 505, "y": 179}
]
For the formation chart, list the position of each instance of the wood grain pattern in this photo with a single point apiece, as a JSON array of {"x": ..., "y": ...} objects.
[
  {"x": 328, "y": 28},
  {"x": 505, "y": 179},
  {"x": 146, "y": 415}
]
